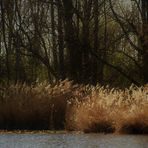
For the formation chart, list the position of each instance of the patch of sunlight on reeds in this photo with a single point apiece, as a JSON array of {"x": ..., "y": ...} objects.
[
  {"x": 74, "y": 107},
  {"x": 110, "y": 110}
]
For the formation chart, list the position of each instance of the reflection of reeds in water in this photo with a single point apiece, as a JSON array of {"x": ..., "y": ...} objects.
[{"x": 74, "y": 107}]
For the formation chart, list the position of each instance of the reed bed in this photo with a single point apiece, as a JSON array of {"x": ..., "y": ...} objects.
[
  {"x": 75, "y": 108},
  {"x": 34, "y": 107},
  {"x": 111, "y": 110}
]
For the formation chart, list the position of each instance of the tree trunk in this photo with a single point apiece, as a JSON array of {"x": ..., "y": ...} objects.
[
  {"x": 96, "y": 43},
  {"x": 4, "y": 39},
  {"x": 86, "y": 44},
  {"x": 145, "y": 40},
  {"x": 61, "y": 42},
  {"x": 17, "y": 60},
  {"x": 54, "y": 51},
  {"x": 73, "y": 45}
]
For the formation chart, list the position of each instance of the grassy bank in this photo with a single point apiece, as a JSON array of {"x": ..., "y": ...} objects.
[{"x": 74, "y": 108}]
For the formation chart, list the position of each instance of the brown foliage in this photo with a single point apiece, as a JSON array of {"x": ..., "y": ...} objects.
[{"x": 74, "y": 107}]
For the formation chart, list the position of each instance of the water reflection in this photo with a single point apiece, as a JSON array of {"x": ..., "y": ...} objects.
[{"x": 72, "y": 141}]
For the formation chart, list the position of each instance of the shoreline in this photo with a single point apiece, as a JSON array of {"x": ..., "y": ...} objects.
[
  {"x": 63, "y": 132},
  {"x": 40, "y": 132}
]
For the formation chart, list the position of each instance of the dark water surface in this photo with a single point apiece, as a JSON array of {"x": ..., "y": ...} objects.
[{"x": 72, "y": 141}]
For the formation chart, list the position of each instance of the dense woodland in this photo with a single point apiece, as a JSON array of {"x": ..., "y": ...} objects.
[{"x": 88, "y": 41}]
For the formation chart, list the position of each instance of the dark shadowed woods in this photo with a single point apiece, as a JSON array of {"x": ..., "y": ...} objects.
[{"x": 88, "y": 41}]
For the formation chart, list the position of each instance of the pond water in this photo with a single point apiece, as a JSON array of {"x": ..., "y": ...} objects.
[{"x": 72, "y": 141}]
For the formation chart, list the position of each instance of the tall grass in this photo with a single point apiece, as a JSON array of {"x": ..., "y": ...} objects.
[
  {"x": 111, "y": 110},
  {"x": 34, "y": 107},
  {"x": 74, "y": 107}
]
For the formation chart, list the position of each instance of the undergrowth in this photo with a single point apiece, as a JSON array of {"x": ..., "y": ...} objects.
[{"x": 74, "y": 107}]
